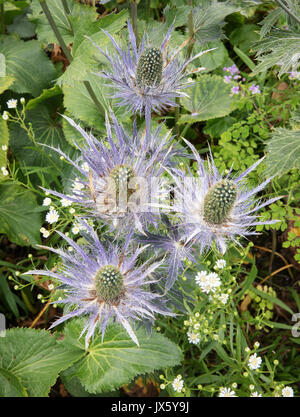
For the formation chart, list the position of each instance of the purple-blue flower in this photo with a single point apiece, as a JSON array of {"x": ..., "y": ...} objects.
[
  {"x": 146, "y": 78},
  {"x": 216, "y": 208},
  {"x": 235, "y": 90},
  {"x": 254, "y": 89},
  {"x": 120, "y": 177},
  {"x": 105, "y": 282}
]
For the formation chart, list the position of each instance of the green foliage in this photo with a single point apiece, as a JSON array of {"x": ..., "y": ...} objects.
[
  {"x": 208, "y": 98},
  {"x": 107, "y": 365},
  {"x": 283, "y": 151},
  {"x": 4, "y": 137},
  {"x": 30, "y": 361},
  {"x": 19, "y": 219},
  {"x": 28, "y": 64}
]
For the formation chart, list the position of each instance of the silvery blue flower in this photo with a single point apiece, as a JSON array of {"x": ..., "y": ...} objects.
[
  {"x": 119, "y": 178},
  {"x": 216, "y": 208},
  {"x": 170, "y": 244},
  {"x": 146, "y": 78},
  {"x": 105, "y": 282}
]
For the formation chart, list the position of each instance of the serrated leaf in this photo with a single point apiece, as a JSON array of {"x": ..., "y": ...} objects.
[
  {"x": 214, "y": 59},
  {"x": 50, "y": 92},
  {"x": 80, "y": 105},
  {"x": 18, "y": 220},
  {"x": 208, "y": 99},
  {"x": 43, "y": 29},
  {"x": 28, "y": 64},
  {"x": 209, "y": 20},
  {"x": 107, "y": 365},
  {"x": 35, "y": 357},
  {"x": 283, "y": 151},
  {"x": 10, "y": 385},
  {"x": 279, "y": 48}
]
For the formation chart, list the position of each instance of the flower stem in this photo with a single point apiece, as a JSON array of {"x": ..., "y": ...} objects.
[
  {"x": 66, "y": 50},
  {"x": 133, "y": 8},
  {"x": 191, "y": 28}
]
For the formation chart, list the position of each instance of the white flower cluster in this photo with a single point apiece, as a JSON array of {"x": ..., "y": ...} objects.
[
  {"x": 254, "y": 362},
  {"x": 208, "y": 282},
  {"x": 177, "y": 384}
]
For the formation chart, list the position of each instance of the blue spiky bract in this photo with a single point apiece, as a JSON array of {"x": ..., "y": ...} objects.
[{"x": 105, "y": 282}]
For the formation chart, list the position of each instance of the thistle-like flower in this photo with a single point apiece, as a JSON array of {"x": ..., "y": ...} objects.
[
  {"x": 146, "y": 78},
  {"x": 119, "y": 180},
  {"x": 170, "y": 245},
  {"x": 103, "y": 282},
  {"x": 213, "y": 207}
]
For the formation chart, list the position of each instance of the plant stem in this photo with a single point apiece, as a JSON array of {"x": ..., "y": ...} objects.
[
  {"x": 133, "y": 8},
  {"x": 285, "y": 8},
  {"x": 67, "y": 13},
  {"x": 147, "y": 10},
  {"x": 61, "y": 42},
  {"x": 66, "y": 50},
  {"x": 177, "y": 114},
  {"x": 191, "y": 29}
]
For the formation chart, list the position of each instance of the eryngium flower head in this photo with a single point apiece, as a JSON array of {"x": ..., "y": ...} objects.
[
  {"x": 146, "y": 78},
  {"x": 120, "y": 178},
  {"x": 104, "y": 282},
  {"x": 213, "y": 207}
]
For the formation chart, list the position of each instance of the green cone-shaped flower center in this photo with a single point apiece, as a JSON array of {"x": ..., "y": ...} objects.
[
  {"x": 122, "y": 174},
  {"x": 149, "y": 68},
  {"x": 109, "y": 284},
  {"x": 219, "y": 201}
]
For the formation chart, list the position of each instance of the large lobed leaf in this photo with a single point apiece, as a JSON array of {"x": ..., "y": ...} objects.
[
  {"x": 28, "y": 64},
  {"x": 107, "y": 365},
  {"x": 30, "y": 361},
  {"x": 209, "y": 98}
]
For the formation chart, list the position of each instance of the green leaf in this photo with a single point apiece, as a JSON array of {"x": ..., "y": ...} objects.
[
  {"x": 107, "y": 365},
  {"x": 44, "y": 31},
  {"x": 283, "y": 151},
  {"x": 5, "y": 83},
  {"x": 80, "y": 105},
  {"x": 244, "y": 36},
  {"x": 213, "y": 59},
  {"x": 87, "y": 58},
  {"x": 51, "y": 92},
  {"x": 18, "y": 220},
  {"x": 209, "y": 98},
  {"x": 10, "y": 385},
  {"x": 279, "y": 48},
  {"x": 4, "y": 136},
  {"x": 28, "y": 64},
  {"x": 8, "y": 295},
  {"x": 35, "y": 357},
  {"x": 209, "y": 20}
]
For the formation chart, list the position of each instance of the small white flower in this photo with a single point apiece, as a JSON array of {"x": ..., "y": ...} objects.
[
  {"x": 12, "y": 103},
  {"x": 52, "y": 216},
  {"x": 210, "y": 283},
  {"x": 22, "y": 100},
  {"x": 287, "y": 392},
  {"x": 5, "y": 115},
  {"x": 4, "y": 171},
  {"x": 85, "y": 167},
  {"x": 50, "y": 287},
  {"x": 72, "y": 211},
  {"x": 65, "y": 202},
  {"x": 46, "y": 234},
  {"x": 255, "y": 394},
  {"x": 201, "y": 277},
  {"x": 197, "y": 326},
  {"x": 177, "y": 384},
  {"x": 193, "y": 337},
  {"x": 254, "y": 361},
  {"x": 214, "y": 279},
  {"x": 226, "y": 392},
  {"x": 223, "y": 298},
  {"x": 75, "y": 229},
  {"x": 42, "y": 229},
  {"x": 77, "y": 186},
  {"x": 47, "y": 201},
  {"x": 4, "y": 148},
  {"x": 220, "y": 264}
]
